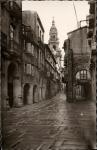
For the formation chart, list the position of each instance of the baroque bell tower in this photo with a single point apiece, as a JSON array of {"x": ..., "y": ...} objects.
[
  {"x": 54, "y": 44},
  {"x": 53, "y": 38}
]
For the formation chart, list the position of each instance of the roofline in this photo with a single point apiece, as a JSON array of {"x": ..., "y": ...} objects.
[
  {"x": 50, "y": 52},
  {"x": 36, "y": 14},
  {"x": 40, "y": 22},
  {"x": 77, "y": 29}
]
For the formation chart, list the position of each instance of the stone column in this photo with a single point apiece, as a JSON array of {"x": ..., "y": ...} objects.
[
  {"x": 4, "y": 95},
  {"x": 30, "y": 95},
  {"x": 17, "y": 93}
]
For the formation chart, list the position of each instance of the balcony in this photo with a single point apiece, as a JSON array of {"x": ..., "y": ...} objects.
[
  {"x": 29, "y": 57},
  {"x": 14, "y": 47},
  {"x": 27, "y": 33}
]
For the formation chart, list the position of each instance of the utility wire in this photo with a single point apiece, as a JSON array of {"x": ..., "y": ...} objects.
[{"x": 76, "y": 14}]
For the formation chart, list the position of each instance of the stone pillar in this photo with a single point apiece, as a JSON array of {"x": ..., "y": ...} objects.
[
  {"x": 40, "y": 93},
  {"x": 4, "y": 95},
  {"x": 17, "y": 93},
  {"x": 4, "y": 86},
  {"x": 30, "y": 95}
]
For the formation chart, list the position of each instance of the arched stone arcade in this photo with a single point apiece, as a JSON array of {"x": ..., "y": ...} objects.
[{"x": 82, "y": 87}]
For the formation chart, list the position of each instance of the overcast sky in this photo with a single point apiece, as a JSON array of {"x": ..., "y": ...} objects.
[{"x": 63, "y": 13}]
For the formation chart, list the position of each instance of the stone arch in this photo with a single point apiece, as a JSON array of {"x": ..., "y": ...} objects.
[
  {"x": 85, "y": 71},
  {"x": 26, "y": 93},
  {"x": 35, "y": 94},
  {"x": 12, "y": 80},
  {"x": 82, "y": 86},
  {"x": 79, "y": 68}
]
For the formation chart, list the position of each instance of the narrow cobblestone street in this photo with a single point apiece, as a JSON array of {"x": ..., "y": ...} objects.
[{"x": 49, "y": 125}]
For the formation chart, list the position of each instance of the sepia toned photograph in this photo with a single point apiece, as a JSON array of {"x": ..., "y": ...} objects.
[{"x": 48, "y": 75}]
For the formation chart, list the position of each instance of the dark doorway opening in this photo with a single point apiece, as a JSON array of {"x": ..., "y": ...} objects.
[
  {"x": 10, "y": 83},
  {"x": 26, "y": 94},
  {"x": 35, "y": 94}
]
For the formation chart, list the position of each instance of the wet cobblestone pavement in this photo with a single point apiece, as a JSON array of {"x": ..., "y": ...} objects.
[{"x": 50, "y": 125}]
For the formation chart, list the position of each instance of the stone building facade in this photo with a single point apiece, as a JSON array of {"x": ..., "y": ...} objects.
[
  {"x": 24, "y": 58},
  {"x": 53, "y": 76},
  {"x": 34, "y": 82},
  {"x": 11, "y": 20},
  {"x": 91, "y": 35},
  {"x": 77, "y": 62}
]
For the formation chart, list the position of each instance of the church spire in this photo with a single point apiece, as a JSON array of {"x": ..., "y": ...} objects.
[
  {"x": 53, "y": 22},
  {"x": 53, "y": 38}
]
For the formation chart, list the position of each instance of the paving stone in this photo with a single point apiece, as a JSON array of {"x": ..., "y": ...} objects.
[{"x": 50, "y": 125}]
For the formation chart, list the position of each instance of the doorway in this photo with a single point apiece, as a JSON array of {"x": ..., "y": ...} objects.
[
  {"x": 26, "y": 93},
  {"x": 35, "y": 94},
  {"x": 12, "y": 70}
]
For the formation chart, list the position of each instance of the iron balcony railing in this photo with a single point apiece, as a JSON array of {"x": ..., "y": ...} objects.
[{"x": 29, "y": 34}]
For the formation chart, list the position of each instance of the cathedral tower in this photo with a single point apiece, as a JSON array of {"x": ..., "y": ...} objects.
[
  {"x": 53, "y": 38},
  {"x": 54, "y": 44}
]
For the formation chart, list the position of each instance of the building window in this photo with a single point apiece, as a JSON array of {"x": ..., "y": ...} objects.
[
  {"x": 42, "y": 38},
  {"x": 32, "y": 70},
  {"x": 28, "y": 69},
  {"x": 32, "y": 49},
  {"x": 38, "y": 30},
  {"x": 29, "y": 48},
  {"x": 53, "y": 36},
  {"x": 36, "y": 53},
  {"x": 25, "y": 66},
  {"x": 54, "y": 47},
  {"x": 24, "y": 45},
  {"x": 83, "y": 74},
  {"x": 40, "y": 34}
]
